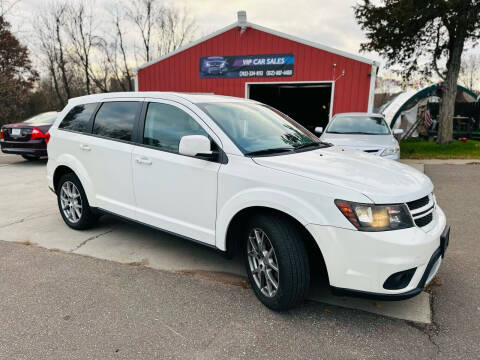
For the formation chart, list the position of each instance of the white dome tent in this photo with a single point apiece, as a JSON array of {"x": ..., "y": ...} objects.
[{"x": 401, "y": 111}]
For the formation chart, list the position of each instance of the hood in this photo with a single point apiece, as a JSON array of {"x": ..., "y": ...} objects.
[
  {"x": 361, "y": 142},
  {"x": 381, "y": 180}
]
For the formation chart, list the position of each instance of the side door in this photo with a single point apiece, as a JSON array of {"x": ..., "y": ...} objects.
[
  {"x": 69, "y": 141},
  {"x": 109, "y": 149},
  {"x": 174, "y": 192}
]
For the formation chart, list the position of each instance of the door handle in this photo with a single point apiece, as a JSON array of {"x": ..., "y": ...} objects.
[
  {"x": 143, "y": 160},
  {"x": 85, "y": 147}
]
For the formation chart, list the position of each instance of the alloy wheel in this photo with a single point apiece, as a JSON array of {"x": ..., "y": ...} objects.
[
  {"x": 263, "y": 263},
  {"x": 71, "y": 202}
]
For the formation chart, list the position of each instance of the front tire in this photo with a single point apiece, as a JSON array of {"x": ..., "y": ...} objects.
[
  {"x": 276, "y": 261},
  {"x": 73, "y": 203}
]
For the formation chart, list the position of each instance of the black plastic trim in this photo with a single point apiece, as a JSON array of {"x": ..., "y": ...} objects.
[
  {"x": 92, "y": 118},
  {"x": 414, "y": 204},
  {"x": 399, "y": 280},
  {"x": 24, "y": 151},
  {"x": 375, "y": 296},
  {"x": 103, "y": 211}
]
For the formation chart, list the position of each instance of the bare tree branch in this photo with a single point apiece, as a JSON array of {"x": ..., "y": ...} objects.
[
  {"x": 81, "y": 32},
  {"x": 6, "y": 6}
]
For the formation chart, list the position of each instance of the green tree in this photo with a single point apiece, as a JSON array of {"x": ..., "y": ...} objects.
[
  {"x": 17, "y": 77},
  {"x": 417, "y": 34}
]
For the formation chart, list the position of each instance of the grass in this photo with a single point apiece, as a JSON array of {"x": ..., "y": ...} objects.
[{"x": 421, "y": 149}]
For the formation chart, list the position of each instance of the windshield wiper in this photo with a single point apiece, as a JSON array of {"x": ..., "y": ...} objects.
[
  {"x": 269, "y": 151},
  {"x": 364, "y": 133},
  {"x": 303, "y": 146},
  {"x": 354, "y": 133},
  {"x": 315, "y": 144}
]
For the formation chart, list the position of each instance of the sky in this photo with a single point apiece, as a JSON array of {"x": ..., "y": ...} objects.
[
  {"x": 328, "y": 22},
  {"x": 324, "y": 21}
]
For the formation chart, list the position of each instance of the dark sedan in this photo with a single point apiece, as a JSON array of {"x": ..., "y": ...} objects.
[{"x": 29, "y": 138}]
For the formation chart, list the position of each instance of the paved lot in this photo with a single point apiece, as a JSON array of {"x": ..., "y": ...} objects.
[{"x": 60, "y": 305}]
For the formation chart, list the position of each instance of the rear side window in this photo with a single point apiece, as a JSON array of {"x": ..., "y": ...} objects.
[
  {"x": 165, "y": 125},
  {"x": 115, "y": 120},
  {"x": 78, "y": 119}
]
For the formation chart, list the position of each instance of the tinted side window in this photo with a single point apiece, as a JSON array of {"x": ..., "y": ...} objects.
[
  {"x": 78, "y": 118},
  {"x": 116, "y": 119},
  {"x": 166, "y": 124}
]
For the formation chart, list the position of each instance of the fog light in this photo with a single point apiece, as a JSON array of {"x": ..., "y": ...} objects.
[{"x": 399, "y": 280}]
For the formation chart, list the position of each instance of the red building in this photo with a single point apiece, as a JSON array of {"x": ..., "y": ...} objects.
[{"x": 308, "y": 81}]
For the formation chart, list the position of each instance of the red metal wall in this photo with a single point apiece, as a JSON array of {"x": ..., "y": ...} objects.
[{"x": 181, "y": 72}]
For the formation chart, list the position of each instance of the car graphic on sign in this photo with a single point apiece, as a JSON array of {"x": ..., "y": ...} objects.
[{"x": 214, "y": 65}]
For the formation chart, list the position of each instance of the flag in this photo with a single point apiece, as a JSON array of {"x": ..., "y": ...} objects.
[{"x": 428, "y": 119}]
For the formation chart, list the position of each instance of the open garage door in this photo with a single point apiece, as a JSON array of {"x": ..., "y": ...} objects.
[{"x": 307, "y": 103}]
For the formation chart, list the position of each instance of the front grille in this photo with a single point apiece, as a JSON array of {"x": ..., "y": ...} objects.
[
  {"x": 370, "y": 151},
  {"x": 422, "y": 210},
  {"x": 417, "y": 204},
  {"x": 424, "y": 221}
]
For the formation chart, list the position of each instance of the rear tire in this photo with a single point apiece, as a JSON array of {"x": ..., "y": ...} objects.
[
  {"x": 288, "y": 268},
  {"x": 73, "y": 203},
  {"x": 30, "y": 157}
]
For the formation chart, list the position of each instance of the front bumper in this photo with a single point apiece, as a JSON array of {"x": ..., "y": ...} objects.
[{"x": 359, "y": 263}]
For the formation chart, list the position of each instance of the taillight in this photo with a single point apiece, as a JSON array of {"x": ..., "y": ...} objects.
[
  {"x": 2, "y": 136},
  {"x": 47, "y": 138},
  {"x": 37, "y": 134}
]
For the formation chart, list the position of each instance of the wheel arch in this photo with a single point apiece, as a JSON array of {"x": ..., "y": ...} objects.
[
  {"x": 57, "y": 175},
  {"x": 68, "y": 164},
  {"x": 233, "y": 241}
]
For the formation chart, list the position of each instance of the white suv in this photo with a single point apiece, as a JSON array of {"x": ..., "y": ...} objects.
[{"x": 245, "y": 179}]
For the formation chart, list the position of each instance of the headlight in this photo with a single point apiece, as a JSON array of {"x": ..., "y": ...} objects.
[
  {"x": 369, "y": 217},
  {"x": 207, "y": 64},
  {"x": 390, "y": 151}
]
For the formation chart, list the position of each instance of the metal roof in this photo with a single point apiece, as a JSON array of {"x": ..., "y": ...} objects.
[{"x": 266, "y": 30}]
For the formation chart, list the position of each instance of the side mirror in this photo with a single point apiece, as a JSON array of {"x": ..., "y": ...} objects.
[
  {"x": 397, "y": 131},
  {"x": 319, "y": 129},
  {"x": 196, "y": 145}
]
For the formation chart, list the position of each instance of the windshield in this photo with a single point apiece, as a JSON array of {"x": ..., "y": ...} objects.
[
  {"x": 369, "y": 125},
  {"x": 47, "y": 118},
  {"x": 256, "y": 128}
]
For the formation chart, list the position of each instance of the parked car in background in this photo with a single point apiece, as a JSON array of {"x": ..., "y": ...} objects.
[
  {"x": 367, "y": 132},
  {"x": 29, "y": 138},
  {"x": 243, "y": 178}
]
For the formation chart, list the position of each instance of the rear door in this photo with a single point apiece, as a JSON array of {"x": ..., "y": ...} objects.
[
  {"x": 174, "y": 192},
  {"x": 109, "y": 151},
  {"x": 72, "y": 133}
]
